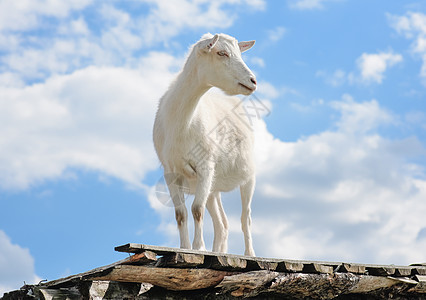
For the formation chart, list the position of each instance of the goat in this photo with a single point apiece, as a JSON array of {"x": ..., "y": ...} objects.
[{"x": 200, "y": 139}]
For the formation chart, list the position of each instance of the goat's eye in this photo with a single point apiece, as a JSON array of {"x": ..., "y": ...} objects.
[{"x": 222, "y": 53}]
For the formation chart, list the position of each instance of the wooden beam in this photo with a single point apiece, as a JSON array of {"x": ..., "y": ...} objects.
[
  {"x": 247, "y": 284},
  {"x": 176, "y": 279}
]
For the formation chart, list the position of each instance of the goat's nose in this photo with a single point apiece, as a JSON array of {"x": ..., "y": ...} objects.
[{"x": 253, "y": 80}]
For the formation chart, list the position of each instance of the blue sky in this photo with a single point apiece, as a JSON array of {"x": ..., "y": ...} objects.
[{"x": 340, "y": 159}]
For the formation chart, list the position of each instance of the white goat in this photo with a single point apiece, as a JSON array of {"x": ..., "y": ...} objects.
[{"x": 201, "y": 140}]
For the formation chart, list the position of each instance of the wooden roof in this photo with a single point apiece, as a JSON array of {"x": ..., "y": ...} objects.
[{"x": 152, "y": 272}]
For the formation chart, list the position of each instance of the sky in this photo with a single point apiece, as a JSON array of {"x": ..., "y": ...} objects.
[{"x": 340, "y": 157}]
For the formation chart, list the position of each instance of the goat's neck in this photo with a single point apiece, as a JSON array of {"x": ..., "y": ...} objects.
[{"x": 184, "y": 95}]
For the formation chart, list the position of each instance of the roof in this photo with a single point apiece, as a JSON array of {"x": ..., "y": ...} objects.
[{"x": 152, "y": 272}]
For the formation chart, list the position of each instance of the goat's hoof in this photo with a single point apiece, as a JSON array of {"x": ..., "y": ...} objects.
[{"x": 199, "y": 248}]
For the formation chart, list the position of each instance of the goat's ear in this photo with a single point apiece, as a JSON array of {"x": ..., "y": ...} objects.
[
  {"x": 244, "y": 46},
  {"x": 211, "y": 43}
]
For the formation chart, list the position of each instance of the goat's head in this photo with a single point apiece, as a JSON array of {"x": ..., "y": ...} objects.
[{"x": 221, "y": 64}]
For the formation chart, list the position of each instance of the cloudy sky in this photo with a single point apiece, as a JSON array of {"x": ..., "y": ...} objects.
[{"x": 341, "y": 157}]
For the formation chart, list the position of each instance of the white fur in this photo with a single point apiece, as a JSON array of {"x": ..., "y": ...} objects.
[{"x": 188, "y": 120}]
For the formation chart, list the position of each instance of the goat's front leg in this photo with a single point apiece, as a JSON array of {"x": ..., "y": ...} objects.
[
  {"x": 175, "y": 184},
  {"x": 247, "y": 191},
  {"x": 220, "y": 223},
  {"x": 204, "y": 183}
]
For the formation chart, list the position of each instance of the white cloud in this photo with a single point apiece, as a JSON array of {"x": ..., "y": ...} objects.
[
  {"x": 373, "y": 66},
  {"x": 258, "y": 61},
  {"x": 308, "y": 4},
  {"x": 74, "y": 27},
  {"x": 337, "y": 193},
  {"x": 409, "y": 24},
  {"x": 276, "y": 34},
  {"x": 27, "y": 14},
  {"x": 337, "y": 78},
  {"x": 256, "y": 4},
  {"x": 95, "y": 118},
  {"x": 371, "y": 69},
  {"x": 9, "y": 79},
  {"x": 265, "y": 89},
  {"x": 413, "y": 26},
  {"x": 361, "y": 117},
  {"x": 312, "y": 106},
  {"x": 168, "y": 18},
  {"x": 70, "y": 42},
  {"x": 16, "y": 265},
  {"x": 342, "y": 194}
]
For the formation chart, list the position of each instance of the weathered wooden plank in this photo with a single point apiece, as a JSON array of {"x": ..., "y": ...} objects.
[
  {"x": 143, "y": 258},
  {"x": 185, "y": 260},
  {"x": 136, "y": 248},
  {"x": 326, "y": 286},
  {"x": 367, "y": 283},
  {"x": 224, "y": 262},
  {"x": 419, "y": 271},
  {"x": 290, "y": 266},
  {"x": 317, "y": 268},
  {"x": 420, "y": 278},
  {"x": 176, "y": 279},
  {"x": 258, "y": 263},
  {"x": 247, "y": 284},
  {"x": 68, "y": 281},
  {"x": 59, "y": 294},
  {"x": 380, "y": 270},
  {"x": 267, "y": 265},
  {"x": 116, "y": 290},
  {"x": 255, "y": 283},
  {"x": 404, "y": 280},
  {"x": 308, "y": 286},
  {"x": 251, "y": 263},
  {"x": 403, "y": 271},
  {"x": 421, "y": 285},
  {"x": 352, "y": 268}
]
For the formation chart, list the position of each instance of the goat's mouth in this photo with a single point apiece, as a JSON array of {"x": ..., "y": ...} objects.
[{"x": 246, "y": 87}]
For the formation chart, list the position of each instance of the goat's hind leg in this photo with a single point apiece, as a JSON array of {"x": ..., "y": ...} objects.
[
  {"x": 175, "y": 184},
  {"x": 220, "y": 223},
  {"x": 247, "y": 191}
]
